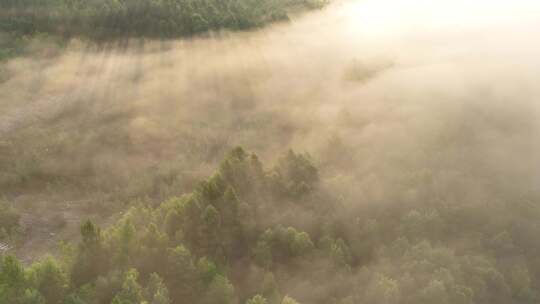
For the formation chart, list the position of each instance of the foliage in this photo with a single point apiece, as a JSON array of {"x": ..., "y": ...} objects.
[
  {"x": 9, "y": 217},
  {"x": 225, "y": 242},
  {"x": 258, "y": 299},
  {"x": 150, "y": 18}
]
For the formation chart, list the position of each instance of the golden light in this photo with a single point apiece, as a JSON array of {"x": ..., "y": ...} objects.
[{"x": 391, "y": 17}]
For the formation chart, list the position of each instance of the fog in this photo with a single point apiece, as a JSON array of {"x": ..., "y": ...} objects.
[{"x": 397, "y": 101}]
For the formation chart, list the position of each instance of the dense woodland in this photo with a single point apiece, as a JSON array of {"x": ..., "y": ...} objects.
[
  {"x": 141, "y": 18},
  {"x": 55, "y": 21},
  {"x": 231, "y": 241}
]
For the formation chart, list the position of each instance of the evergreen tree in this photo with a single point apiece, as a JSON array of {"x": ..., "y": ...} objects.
[
  {"x": 50, "y": 280},
  {"x": 131, "y": 292},
  {"x": 91, "y": 260},
  {"x": 258, "y": 299}
]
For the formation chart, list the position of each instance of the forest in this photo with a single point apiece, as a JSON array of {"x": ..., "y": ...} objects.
[
  {"x": 147, "y": 18},
  {"x": 236, "y": 238},
  {"x": 21, "y": 21},
  {"x": 268, "y": 152}
]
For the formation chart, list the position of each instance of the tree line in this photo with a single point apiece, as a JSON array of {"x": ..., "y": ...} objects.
[{"x": 105, "y": 19}]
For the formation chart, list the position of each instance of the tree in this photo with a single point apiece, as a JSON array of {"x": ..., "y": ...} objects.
[
  {"x": 301, "y": 242},
  {"x": 161, "y": 297},
  {"x": 434, "y": 292},
  {"x": 12, "y": 279},
  {"x": 50, "y": 280},
  {"x": 9, "y": 217},
  {"x": 295, "y": 175},
  {"x": 126, "y": 246},
  {"x": 156, "y": 292},
  {"x": 383, "y": 290},
  {"x": 337, "y": 250},
  {"x": 288, "y": 300},
  {"x": 182, "y": 276},
  {"x": 30, "y": 296},
  {"x": 131, "y": 292},
  {"x": 83, "y": 295},
  {"x": 12, "y": 272},
  {"x": 107, "y": 287},
  {"x": 220, "y": 291},
  {"x": 280, "y": 244},
  {"x": 207, "y": 271},
  {"x": 173, "y": 222},
  {"x": 269, "y": 288},
  {"x": 262, "y": 253},
  {"x": 210, "y": 229},
  {"x": 91, "y": 260},
  {"x": 258, "y": 299},
  {"x": 152, "y": 251}
]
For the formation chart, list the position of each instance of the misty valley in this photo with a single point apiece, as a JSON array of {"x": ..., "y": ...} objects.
[{"x": 269, "y": 152}]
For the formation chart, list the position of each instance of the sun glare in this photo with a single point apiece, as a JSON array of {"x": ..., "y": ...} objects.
[{"x": 389, "y": 17}]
